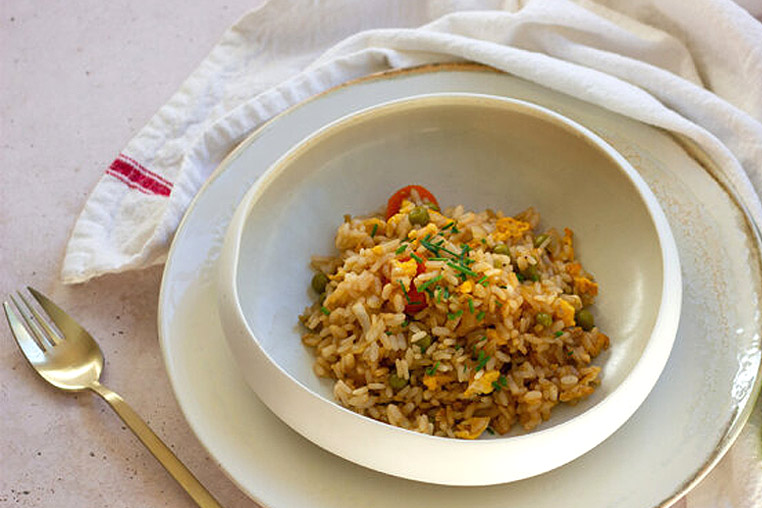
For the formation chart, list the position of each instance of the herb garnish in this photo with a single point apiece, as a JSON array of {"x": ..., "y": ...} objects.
[
  {"x": 480, "y": 316},
  {"x": 429, "y": 282},
  {"x": 373, "y": 231},
  {"x": 404, "y": 290},
  {"x": 401, "y": 249},
  {"x": 462, "y": 269},
  {"x": 482, "y": 360},
  {"x": 433, "y": 370},
  {"x": 455, "y": 315},
  {"x": 325, "y": 311}
]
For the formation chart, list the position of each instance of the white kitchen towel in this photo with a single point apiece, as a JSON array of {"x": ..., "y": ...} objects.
[{"x": 693, "y": 67}]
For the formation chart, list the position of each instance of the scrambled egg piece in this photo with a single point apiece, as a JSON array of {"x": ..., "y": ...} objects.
[
  {"x": 574, "y": 269},
  {"x": 471, "y": 428},
  {"x": 466, "y": 287},
  {"x": 584, "y": 286},
  {"x": 565, "y": 312},
  {"x": 507, "y": 228},
  {"x": 404, "y": 268},
  {"x": 437, "y": 380},
  {"x": 495, "y": 337},
  {"x": 429, "y": 229},
  {"x": 483, "y": 385}
]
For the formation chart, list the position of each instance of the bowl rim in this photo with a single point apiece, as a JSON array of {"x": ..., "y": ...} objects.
[{"x": 653, "y": 358}]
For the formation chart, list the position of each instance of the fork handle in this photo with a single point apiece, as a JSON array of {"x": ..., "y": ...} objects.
[{"x": 156, "y": 446}]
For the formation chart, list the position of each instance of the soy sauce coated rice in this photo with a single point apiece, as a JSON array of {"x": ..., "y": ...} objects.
[{"x": 493, "y": 340}]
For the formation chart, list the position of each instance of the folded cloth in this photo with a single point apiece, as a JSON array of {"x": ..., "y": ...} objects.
[
  {"x": 694, "y": 68},
  {"x": 690, "y": 67}
]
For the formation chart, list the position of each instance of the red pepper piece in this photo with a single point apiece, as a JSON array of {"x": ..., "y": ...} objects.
[
  {"x": 395, "y": 202},
  {"x": 416, "y": 301}
]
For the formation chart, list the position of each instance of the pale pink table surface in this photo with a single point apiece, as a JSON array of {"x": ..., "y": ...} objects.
[{"x": 77, "y": 80}]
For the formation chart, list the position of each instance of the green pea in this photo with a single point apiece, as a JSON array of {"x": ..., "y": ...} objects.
[
  {"x": 397, "y": 382},
  {"x": 319, "y": 282},
  {"x": 532, "y": 273},
  {"x": 502, "y": 248},
  {"x": 585, "y": 319},
  {"x": 540, "y": 239},
  {"x": 423, "y": 343},
  {"x": 544, "y": 319},
  {"x": 418, "y": 215}
]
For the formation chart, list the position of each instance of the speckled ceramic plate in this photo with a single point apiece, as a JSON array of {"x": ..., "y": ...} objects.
[{"x": 690, "y": 419}]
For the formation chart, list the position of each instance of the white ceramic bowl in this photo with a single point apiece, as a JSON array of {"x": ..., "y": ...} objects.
[{"x": 482, "y": 152}]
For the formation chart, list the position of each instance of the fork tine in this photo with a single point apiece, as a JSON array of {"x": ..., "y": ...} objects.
[
  {"x": 50, "y": 334},
  {"x": 30, "y": 323},
  {"x": 26, "y": 342},
  {"x": 61, "y": 319}
]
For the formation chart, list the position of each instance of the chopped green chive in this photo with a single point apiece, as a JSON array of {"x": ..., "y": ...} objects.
[
  {"x": 446, "y": 293},
  {"x": 455, "y": 315},
  {"x": 439, "y": 294},
  {"x": 480, "y": 316},
  {"x": 471, "y": 305},
  {"x": 484, "y": 241},
  {"x": 416, "y": 257},
  {"x": 461, "y": 268},
  {"x": 502, "y": 381},
  {"x": 373, "y": 231},
  {"x": 496, "y": 386},
  {"x": 325, "y": 311},
  {"x": 489, "y": 429},
  {"x": 388, "y": 332},
  {"x": 482, "y": 339},
  {"x": 482, "y": 360},
  {"x": 483, "y": 281},
  {"x": 448, "y": 226},
  {"x": 429, "y": 282},
  {"x": 430, "y": 247},
  {"x": 438, "y": 259},
  {"x": 559, "y": 333},
  {"x": 401, "y": 249},
  {"x": 520, "y": 277},
  {"x": 404, "y": 290},
  {"x": 433, "y": 370},
  {"x": 405, "y": 323}
]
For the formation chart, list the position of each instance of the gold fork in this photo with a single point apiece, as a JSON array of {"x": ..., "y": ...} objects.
[{"x": 70, "y": 359}]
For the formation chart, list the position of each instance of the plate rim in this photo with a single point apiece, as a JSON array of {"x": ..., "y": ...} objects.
[{"x": 739, "y": 417}]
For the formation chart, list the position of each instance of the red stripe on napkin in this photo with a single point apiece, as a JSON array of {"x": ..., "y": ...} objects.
[
  {"x": 125, "y": 181},
  {"x": 144, "y": 169},
  {"x": 135, "y": 176}
]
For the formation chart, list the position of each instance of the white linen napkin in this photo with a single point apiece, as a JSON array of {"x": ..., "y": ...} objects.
[{"x": 693, "y": 67}]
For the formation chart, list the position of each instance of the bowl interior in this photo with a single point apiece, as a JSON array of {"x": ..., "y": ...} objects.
[{"x": 481, "y": 153}]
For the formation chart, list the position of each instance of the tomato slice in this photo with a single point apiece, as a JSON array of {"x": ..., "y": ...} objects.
[
  {"x": 395, "y": 202},
  {"x": 416, "y": 301}
]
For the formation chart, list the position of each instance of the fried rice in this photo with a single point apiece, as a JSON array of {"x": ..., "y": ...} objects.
[{"x": 465, "y": 323}]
